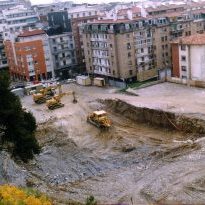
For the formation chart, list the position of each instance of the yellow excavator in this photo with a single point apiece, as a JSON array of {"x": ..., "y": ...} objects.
[
  {"x": 45, "y": 94},
  {"x": 99, "y": 119},
  {"x": 55, "y": 102}
]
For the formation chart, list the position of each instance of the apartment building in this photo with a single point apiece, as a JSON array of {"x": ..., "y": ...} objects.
[
  {"x": 171, "y": 26},
  {"x": 60, "y": 18},
  {"x": 6, "y": 4},
  {"x": 143, "y": 41},
  {"x": 80, "y": 16},
  {"x": 3, "y": 59},
  {"x": 110, "y": 50},
  {"x": 29, "y": 57},
  {"x": 63, "y": 53},
  {"x": 188, "y": 57},
  {"x": 129, "y": 13},
  {"x": 17, "y": 19}
]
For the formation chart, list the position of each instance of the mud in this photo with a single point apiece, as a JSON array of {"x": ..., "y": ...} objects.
[{"x": 142, "y": 159}]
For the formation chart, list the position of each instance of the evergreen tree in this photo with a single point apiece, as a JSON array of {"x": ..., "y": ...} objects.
[{"x": 18, "y": 125}]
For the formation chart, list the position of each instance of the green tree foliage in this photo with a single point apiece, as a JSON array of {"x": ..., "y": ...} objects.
[
  {"x": 19, "y": 126},
  {"x": 91, "y": 201}
]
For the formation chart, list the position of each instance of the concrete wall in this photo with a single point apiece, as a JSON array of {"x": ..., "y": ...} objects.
[{"x": 197, "y": 54}]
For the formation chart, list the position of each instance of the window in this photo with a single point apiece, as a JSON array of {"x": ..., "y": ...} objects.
[
  {"x": 142, "y": 50},
  {"x": 110, "y": 45},
  {"x": 165, "y": 38},
  {"x": 183, "y": 58},
  {"x": 184, "y": 77},
  {"x": 128, "y": 46},
  {"x": 183, "y": 68},
  {"x": 63, "y": 55},
  {"x": 183, "y": 47},
  {"x": 90, "y": 67},
  {"x": 130, "y": 72},
  {"x": 129, "y": 54},
  {"x": 162, "y": 39},
  {"x": 113, "y": 72}
]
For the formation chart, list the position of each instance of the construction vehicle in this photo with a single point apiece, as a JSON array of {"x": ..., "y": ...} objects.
[
  {"x": 99, "y": 119},
  {"x": 55, "y": 102},
  {"x": 45, "y": 94}
]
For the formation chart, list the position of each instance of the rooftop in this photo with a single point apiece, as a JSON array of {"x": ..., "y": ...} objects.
[
  {"x": 31, "y": 33},
  {"x": 111, "y": 21},
  {"x": 197, "y": 39}
]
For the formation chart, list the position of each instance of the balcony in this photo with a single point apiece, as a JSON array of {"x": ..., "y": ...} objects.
[
  {"x": 100, "y": 56},
  {"x": 99, "y": 47},
  {"x": 101, "y": 64},
  {"x": 99, "y": 39}
]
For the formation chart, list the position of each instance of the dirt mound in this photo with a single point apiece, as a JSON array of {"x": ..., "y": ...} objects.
[{"x": 156, "y": 117}]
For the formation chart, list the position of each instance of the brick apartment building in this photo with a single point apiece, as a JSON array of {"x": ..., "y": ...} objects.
[{"x": 29, "y": 57}]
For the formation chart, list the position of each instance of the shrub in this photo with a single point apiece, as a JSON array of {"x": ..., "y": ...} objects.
[{"x": 11, "y": 195}]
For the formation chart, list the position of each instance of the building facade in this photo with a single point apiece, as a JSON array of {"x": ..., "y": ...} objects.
[
  {"x": 63, "y": 54},
  {"x": 79, "y": 17},
  {"x": 60, "y": 19},
  {"x": 17, "y": 19},
  {"x": 109, "y": 50},
  {"x": 29, "y": 58},
  {"x": 3, "y": 58},
  {"x": 188, "y": 57}
]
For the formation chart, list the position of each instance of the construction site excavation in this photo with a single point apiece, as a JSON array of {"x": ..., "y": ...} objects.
[{"x": 151, "y": 153}]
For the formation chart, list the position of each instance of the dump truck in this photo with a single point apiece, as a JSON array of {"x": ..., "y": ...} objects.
[
  {"x": 55, "y": 101},
  {"x": 99, "y": 119}
]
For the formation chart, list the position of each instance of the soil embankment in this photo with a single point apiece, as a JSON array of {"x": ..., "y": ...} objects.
[{"x": 164, "y": 119}]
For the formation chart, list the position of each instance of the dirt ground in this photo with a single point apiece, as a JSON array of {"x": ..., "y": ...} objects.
[
  {"x": 171, "y": 97},
  {"x": 132, "y": 163}
]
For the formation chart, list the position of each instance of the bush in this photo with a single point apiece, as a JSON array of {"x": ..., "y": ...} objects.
[
  {"x": 11, "y": 195},
  {"x": 19, "y": 125},
  {"x": 91, "y": 201}
]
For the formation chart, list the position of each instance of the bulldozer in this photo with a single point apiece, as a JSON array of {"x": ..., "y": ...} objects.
[
  {"x": 99, "y": 119},
  {"x": 45, "y": 94},
  {"x": 55, "y": 102}
]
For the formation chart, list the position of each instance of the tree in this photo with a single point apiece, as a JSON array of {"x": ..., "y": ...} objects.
[{"x": 18, "y": 125}]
